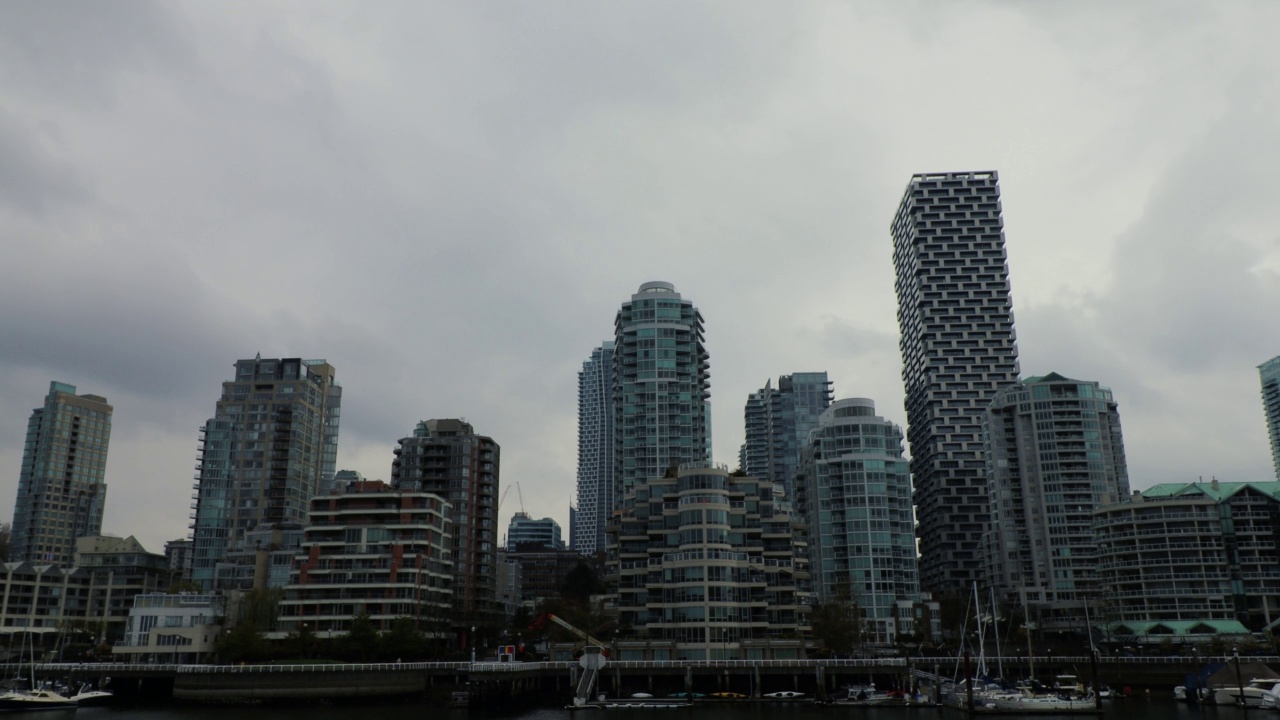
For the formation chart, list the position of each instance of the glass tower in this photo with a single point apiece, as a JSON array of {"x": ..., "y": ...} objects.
[
  {"x": 662, "y": 385},
  {"x": 856, "y": 500},
  {"x": 777, "y": 423},
  {"x": 958, "y": 349},
  {"x": 1269, "y": 372},
  {"x": 60, "y": 486},
  {"x": 271, "y": 446},
  {"x": 595, "y": 451},
  {"x": 1055, "y": 454}
]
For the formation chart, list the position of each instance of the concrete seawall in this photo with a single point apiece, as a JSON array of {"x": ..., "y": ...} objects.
[{"x": 249, "y": 686}]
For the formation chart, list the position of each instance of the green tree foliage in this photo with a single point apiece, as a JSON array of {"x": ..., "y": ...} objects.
[
  {"x": 838, "y": 625},
  {"x": 580, "y": 584},
  {"x": 261, "y": 607},
  {"x": 244, "y": 644},
  {"x": 302, "y": 644},
  {"x": 402, "y": 642},
  {"x": 181, "y": 586},
  {"x": 361, "y": 642}
]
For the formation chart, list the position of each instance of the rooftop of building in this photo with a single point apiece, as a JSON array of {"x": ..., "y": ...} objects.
[{"x": 1214, "y": 489}]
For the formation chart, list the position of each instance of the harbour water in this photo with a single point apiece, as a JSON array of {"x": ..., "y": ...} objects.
[{"x": 1129, "y": 709}]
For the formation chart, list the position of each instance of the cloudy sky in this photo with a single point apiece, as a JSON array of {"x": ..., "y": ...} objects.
[{"x": 449, "y": 202}]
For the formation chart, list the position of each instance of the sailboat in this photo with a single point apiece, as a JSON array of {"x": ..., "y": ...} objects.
[{"x": 36, "y": 698}]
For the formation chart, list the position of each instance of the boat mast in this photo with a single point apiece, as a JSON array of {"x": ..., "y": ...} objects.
[{"x": 996, "y": 626}]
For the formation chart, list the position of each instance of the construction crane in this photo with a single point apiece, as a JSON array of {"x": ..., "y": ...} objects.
[
  {"x": 519, "y": 494},
  {"x": 564, "y": 624}
]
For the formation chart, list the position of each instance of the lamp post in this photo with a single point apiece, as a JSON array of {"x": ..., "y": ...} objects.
[
  {"x": 1235, "y": 655},
  {"x": 473, "y": 644}
]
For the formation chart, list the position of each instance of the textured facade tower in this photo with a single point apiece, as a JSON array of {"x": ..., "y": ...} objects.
[
  {"x": 271, "y": 446},
  {"x": 596, "y": 441},
  {"x": 448, "y": 458},
  {"x": 60, "y": 486},
  {"x": 958, "y": 349},
  {"x": 1269, "y": 372},
  {"x": 1055, "y": 454},
  {"x": 661, "y": 386},
  {"x": 777, "y": 423},
  {"x": 855, "y": 495}
]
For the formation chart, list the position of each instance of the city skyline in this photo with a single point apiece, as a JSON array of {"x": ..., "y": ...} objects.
[{"x": 187, "y": 185}]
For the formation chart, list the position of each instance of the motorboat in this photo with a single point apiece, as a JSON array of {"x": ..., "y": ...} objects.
[
  {"x": 35, "y": 700},
  {"x": 88, "y": 696},
  {"x": 1029, "y": 704},
  {"x": 1254, "y": 690}
]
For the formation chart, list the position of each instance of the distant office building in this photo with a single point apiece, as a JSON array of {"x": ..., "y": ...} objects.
[
  {"x": 855, "y": 493},
  {"x": 448, "y": 458},
  {"x": 958, "y": 349},
  {"x": 778, "y": 421},
  {"x": 508, "y": 584},
  {"x": 60, "y": 486},
  {"x": 1269, "y": 372},
  {"x": 596, "y": 466},
  {"x": 1181, "y": 552},
  {"x": 524, "y": 530},
  {"x": 661, "y": 386},
  {"x": 542, "y": 571},
  {"x": 376, "y": 549},
  {"x": 708, "y": 566},
  {"x": 1055, "y": 454},
  {"x": 343, "y": 478},
  {"x": 270, "y": 447}
]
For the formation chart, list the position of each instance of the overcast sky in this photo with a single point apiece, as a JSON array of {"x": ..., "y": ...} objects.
[{"x": 450, "y": 201}]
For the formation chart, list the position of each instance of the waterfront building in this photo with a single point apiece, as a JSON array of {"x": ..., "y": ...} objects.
[
  {"x": 270, "y": 447},
  {"x": 376, "y": 549},
  {"x": 1269, "y": 372},
  {"x": 508, "y": 583},
  {"x": 448, "y": 458},
  {"x": 1054, "y": 454},
  {"x": 958, "y": 349},
  {"x": 1190, "y": 552},
  {"x": 596, "y": 464},
  {"x": 706, "y": 565},
  {"x": 92, "y": 594},
  {"x": 662, "y": 386},
  {"x": 178, "y": 629},
  {"x": 524, "y": 530},
  {"x": 60, "y": 485},
  {"x": 855, "y": 496},
  {"x": 778, "y": 421}
]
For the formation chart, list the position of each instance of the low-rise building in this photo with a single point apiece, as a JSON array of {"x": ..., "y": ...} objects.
[
  {"x": 170, "y": 629},
  {"x": 1190, "y": 552}
]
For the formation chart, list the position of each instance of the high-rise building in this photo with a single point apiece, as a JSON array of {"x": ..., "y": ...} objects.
[
  {"x": 596, "y": 440},
  {"x": 447, "y": 458},
  {"x": 525, "y": 530},
  {"x": 1269, "y": 372},
  {"x": 661, "y": 386},
  {"x": 855, "y": 494},
  {"x": 270, "y": 447},
  {"x": 958, "y": 349},
  {"x": 708, "y": 566},
  {"x": 60, "y": 486},
  {"x": 778, "y": 421},
  {"x": 1055, "y": 454}
]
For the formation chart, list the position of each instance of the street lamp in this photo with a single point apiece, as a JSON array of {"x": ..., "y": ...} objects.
[
  {"x": 1240, "y": 700},
  {"x": 473, "y": 644}
]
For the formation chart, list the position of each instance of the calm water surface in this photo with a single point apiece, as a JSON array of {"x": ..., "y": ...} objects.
[{"x": 1132, "y": 709}]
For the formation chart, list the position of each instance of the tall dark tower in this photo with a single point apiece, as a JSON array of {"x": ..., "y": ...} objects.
[{"x": 958, "y": 349}]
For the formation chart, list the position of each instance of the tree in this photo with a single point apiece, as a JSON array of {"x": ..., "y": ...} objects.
[
  {"x": 261, "y": 606},
  {"x": 838, "y": 624},
  {"x": 245, "y": 643},
  {"x": 580, "y": 584},
  {"x": 361, "y": 641},
  {"x": 402, "y": 641},
  {"x": 182, "y": 586},
  {"x": 302, "y": 643}
]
